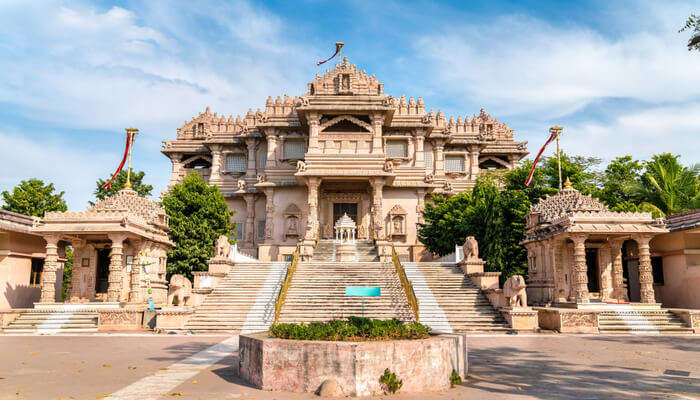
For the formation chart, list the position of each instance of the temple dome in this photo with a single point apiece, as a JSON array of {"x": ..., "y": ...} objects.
[
  {"x": 566, "y": 201},
  {"x": 129, "y": 201}
]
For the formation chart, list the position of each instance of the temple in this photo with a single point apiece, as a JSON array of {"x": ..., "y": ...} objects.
[{"x": 292, "y": 171}]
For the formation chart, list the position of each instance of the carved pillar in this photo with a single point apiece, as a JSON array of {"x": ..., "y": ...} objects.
[
  {"x": 420, "y": 148},
  {"x": 248, "y": 239},
  {"x": 619, "y": 287},
  {"x": 605, "y": 273},
  {"x": 135, "y": 278},
  {"x": 269, "y": 215},
  {"x": 377, "y": 123},
  {"x": 377, "y": 213},
  {"x": 252, "y": 145},
  {"x": 313, "y": 183},
  {"x": 439, "y": 159},
  {"x": 646, "y": 279},
  {"x": 175, "y": 158},
  {"x": 271, "y": 149},
  {"x": 559, "y": 271},
  {"x": 48, "y": 276},
  {"x": 420, "y": 194},
  {"x": 78, "y": 248},
  {"x": 115, "y": 267},
  {"x": 215, "y": 177},
  {"x": 580, "y": 277},
  {"x": 474, "y": 159},
  {"x": 313, "y": 120}
]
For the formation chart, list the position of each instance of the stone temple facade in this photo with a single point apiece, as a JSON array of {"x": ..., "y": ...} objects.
[{"x": 344, "y": 147}]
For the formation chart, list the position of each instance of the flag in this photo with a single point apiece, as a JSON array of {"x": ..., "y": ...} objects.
[
  {"x": 534, "y": 163},
  {"x": 129, "y": 141},
  {"x": 338, "y": 46}
]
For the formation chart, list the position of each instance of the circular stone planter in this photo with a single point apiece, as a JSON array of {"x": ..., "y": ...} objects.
[{"x": 303, "y": 365}]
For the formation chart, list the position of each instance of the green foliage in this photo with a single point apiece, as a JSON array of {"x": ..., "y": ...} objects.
[
  {"x": 118, "y": 184},
  {"x": 455, "y": 379},
  {"x": 693, "y": 24},
  {"x": 33, "y": 197},
  {"x": 351, "y": 329},
  {"x": 539, "y": 188},
  {"x": 390, "y": 382},
  {"x": 628, "y": 206},
  {"x": 619, "y": 180},
  {"x": 495, "y": 218},
  {"x": 198, "y": 216},
  {"x": 578, "y": 169},
  {"x": 67, "y": 273},
  {"x": 668, "y": 185}
]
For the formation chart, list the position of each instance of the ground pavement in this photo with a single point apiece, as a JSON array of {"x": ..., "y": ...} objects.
[{"x": 501, "y": 367}]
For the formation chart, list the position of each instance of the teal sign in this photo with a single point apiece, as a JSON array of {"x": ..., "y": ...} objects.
[{"x": 364, "y": 291}]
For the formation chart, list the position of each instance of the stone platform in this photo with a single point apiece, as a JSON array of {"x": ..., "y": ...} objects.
[{"x": 302, "y": 366}]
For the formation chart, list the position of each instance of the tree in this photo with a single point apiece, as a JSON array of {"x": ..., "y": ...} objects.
[
  {"x": 198, "y": 216},
  {"x": 693, "y": 24},
  {"x": 495, "y": 218},
  {"x": 668, "y": 185},
  {"x": 578, "y": 169},
  {"x": 118, "y": 184},
  {"x": 33, "y": 197},
  {"x": 619, "y": 180},
  {"x": 515, "y": 180}
]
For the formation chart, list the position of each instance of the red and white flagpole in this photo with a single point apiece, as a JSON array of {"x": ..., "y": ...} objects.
[{"x": 553, "y": 134}]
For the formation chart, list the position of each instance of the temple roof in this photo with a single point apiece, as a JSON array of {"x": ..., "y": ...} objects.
[
  {"x": 129, "y": 201},
  {"x": 566, "y": 201}
]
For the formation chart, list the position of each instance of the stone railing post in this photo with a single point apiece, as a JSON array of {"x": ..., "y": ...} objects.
[
  {"x": 48, "y": 276},
  {"x": 646, "y": 279},
  {"x": 115, "y": 267},
  {"x": 580, "y": 278}
]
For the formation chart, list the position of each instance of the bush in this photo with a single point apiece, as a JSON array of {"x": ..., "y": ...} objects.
[
  {"x": 390, "y": 381},
  {"x": 455, "y": 379},
  {"x": 351, "y": 329}
]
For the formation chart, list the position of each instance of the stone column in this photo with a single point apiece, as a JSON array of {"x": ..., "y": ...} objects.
[
  {"x": 269, "y": 215},
  {"x": 420, "y": 148},
  {"x": 439, "y": 159},
  {"x": 377, "y": 123},
  {"x": 559, "y": 271},
  {"x": 646, "y": 279},
  {"x": 619, "y": 287},
  {"x": 411, "y": 151},
  {"x": 115, "y": 267},
  {"x": 248, "y": 239},
  {"x": 48, "y": 276},
  {"x": 135, "y": 278},
  {"x": 420, "y": 194},
  {"x": 271, "y": 149},
  {"x": 215, "y": 176},
  {"x": 252, "y": 145},
  {"x": 78, "y": 246},
  {"x": 377, "y": 214},
  {"x": 474, "y": 169},
  {"x": 175, "y": 158},
  {"x": 580, "y": 277},
  {"x": 605, "y": 273},
  {"x": 313, "y": 120},
  {"x": 313, "y": 183}
]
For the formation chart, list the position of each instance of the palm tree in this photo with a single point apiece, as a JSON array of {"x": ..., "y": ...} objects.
[{"x": 670, "y": 186}]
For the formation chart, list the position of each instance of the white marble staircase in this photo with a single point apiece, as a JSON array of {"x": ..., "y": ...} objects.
[
  {"x": 60, "y": 318},
  {"x": 641, "y": 321}
]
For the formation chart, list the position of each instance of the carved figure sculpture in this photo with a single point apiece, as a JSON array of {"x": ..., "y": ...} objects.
[
  {"x": 223, "y": 247},
  {"x": 301, "y": 166},
  {"x": 514, "y": 291},
  {"x": 388, "y": 166},
  {"x": 261, "y": 178},
  {"x": 241, "y": 184},
  {"x": 179, "y": 291},
  {"x": 470, "y": 249}
]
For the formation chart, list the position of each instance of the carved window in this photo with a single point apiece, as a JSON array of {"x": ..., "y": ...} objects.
[
  {"x": 294, "y": 149},
  {"x": 37, "y": 269},
  {"x": 261, "y": 229},
  {"x": 262, "y": 159},
  {"x": 235, "y": 162},
  {"x": 454, "y": 163},
  {"x": 428, "y": 160},
  {"x": 396, "y": 148}
]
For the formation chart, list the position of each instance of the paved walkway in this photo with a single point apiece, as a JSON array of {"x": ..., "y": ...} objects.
[{"x": 501, "y": 367}]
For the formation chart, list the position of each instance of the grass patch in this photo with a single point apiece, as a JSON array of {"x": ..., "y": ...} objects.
[{"x": 351, "y": 329}]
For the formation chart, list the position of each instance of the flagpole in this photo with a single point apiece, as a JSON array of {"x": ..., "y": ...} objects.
[
  {"x": 340, "y": 51},
  {"x": 557, "y": 130},
  {"x": 131, "y": 132}
]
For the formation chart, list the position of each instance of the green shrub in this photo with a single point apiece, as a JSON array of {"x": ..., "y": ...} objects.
[
  {"x": 352, "y": 328},
  {"x": 455, "y": 379},
  {"x": 390, "y": 382}
]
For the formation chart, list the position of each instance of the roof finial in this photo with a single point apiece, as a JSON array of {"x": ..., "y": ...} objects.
[{"x": 567, "y": 184}]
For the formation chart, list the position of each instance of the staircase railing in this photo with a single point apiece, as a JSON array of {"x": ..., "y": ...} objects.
[
  {"x": 405, "y": 283},
  {"x": 286, "y": 283}
]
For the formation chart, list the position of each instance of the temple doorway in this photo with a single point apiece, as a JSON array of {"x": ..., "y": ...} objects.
[
  {"x": 344, "y": 208},
  {"x": 102, "y": 272},
  {"x": 592, "y": 270},
  {"x": 630, "y": 269}
]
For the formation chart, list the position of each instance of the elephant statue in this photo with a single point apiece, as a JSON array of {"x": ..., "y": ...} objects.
[
  {"x": 514, "y": 291},
  {"x": 179, "y": 291}
]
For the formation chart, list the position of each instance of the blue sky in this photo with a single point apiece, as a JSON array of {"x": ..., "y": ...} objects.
[{"x": 616, "y": 74}]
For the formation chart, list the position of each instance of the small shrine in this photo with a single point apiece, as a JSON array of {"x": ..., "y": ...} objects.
[
  {"x": 345, "y": 230},
  {"x": 119, "y": 250}
]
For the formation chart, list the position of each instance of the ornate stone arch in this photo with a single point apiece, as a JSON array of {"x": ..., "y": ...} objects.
[
  {"x": 349, "y": 118},
  {"x": 397, "y": 221}
]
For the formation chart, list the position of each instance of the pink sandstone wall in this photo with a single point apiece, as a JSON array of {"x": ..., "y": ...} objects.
[{"x": 681, "y": 270}]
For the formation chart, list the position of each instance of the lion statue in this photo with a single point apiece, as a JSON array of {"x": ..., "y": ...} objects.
[
  {"x": 179, "y": 291},
  {"x": 223, "y": 247},
  {"x": 514, "y": 291},
  {"x": 470, "y": 249}
]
